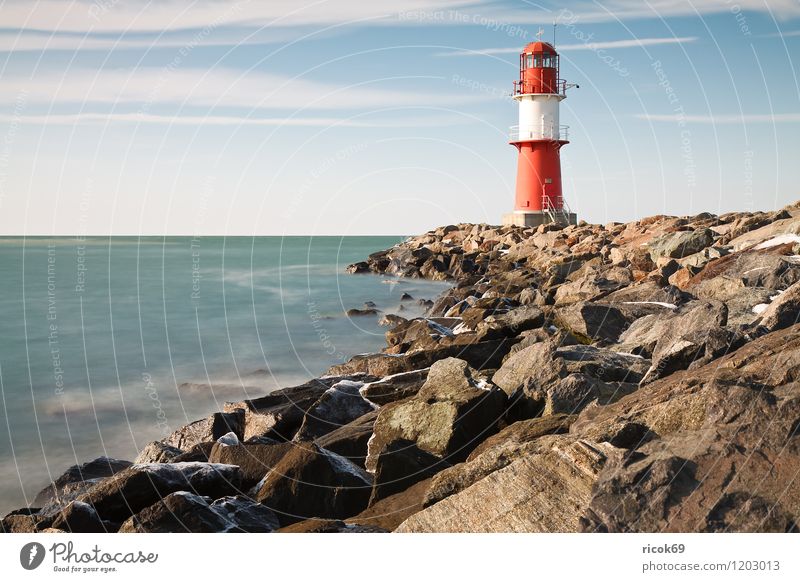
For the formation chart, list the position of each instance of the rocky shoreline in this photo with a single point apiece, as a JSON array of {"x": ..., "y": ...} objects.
[{"x": 638, "y": 377}]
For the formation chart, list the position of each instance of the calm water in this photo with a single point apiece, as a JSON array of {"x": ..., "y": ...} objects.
[{"x": 108, "y": 344}]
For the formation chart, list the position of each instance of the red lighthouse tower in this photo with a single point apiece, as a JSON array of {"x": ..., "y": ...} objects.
[{"x": 539, "y": 139}]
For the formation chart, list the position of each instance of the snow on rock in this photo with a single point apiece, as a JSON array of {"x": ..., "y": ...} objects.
[
  {"x": 228, "y": 440},
  {"x": 781, "y": 239},
  {"x": 760, "y": 308}
]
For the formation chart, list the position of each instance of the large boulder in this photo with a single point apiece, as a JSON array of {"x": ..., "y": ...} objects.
[
  {"x": 313, "y": 482},
  {"x": 339, "y": 405},
  {"x": 656, "y": 336},
  {"x": 281, "y": 412},
  {"x": 594, "y": 283},
  {"x": 681, "y": 244},
  {"x": 536, "y": 376},
  {"x": 207, "y": 430},
  {"x": 767, "y": 267},
  {"x": 399, "y": 465},
  {"x": 183, "y": 512},
  {"x": 390, "y": 512},
  {"x": 80, "y": 517},
  {"x": 350, "y": 441},
  {"x": 447, "y": 418},
  {"x": 157, "y": 452},
  {"x": 783, "y": 311},
  {"x": 718, "y": 446},
  {"x": 517, "y": 440},
  {"x": 254, "y": 460},
  {"x": 416, "y": 437},
  {"x": 138, "y": 486},
  {"x": 547, "y": 490},
  {"x": 480, "y": 355},
  {"x": 395, "y": 387},
  {"x": 76, "y": 480},
  {"x": 593, "y": 321}
]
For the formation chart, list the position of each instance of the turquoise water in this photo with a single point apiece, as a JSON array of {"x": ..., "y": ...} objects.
[{"x": 108, "y": 344}]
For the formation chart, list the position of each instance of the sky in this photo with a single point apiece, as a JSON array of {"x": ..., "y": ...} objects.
[{"x": 289, "y": 117}]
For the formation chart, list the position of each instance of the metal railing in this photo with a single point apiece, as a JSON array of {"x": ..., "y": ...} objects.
[
  {"x": 544, "y": 131},
  {"x": 556, "y": 209},
  {"x": 560, "y": 88}
]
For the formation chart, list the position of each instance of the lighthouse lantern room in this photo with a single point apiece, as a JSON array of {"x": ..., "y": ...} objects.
[{"x": 539, "y": 138}]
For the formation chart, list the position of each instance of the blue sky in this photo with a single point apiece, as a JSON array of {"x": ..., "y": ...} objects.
[{"x": 350, "y": 117}]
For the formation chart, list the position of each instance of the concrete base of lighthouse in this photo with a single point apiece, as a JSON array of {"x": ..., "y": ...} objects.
[{"x": 534, "y": 219}]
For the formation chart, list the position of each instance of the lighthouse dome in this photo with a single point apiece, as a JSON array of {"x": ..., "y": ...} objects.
[{"x": 539, "y": 47}]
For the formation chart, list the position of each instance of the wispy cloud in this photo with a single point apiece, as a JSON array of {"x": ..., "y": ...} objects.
[
  {"x": 231, "y": 120},
  {"x": 146, "y": 15},
  {"x": 147, "y": 87},
  {"x": 590, "y": 46},
  {"x": 724, "y": 119}
]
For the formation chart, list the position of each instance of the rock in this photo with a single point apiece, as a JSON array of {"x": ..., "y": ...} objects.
[
  {"x": 532, "y": 376},
  {"x": 339, "y": 405},
  {"x": 20, "y": 521},
  {"x": 198, "y": 453},
  {"x": 595, "y": 283},
  {"x": 76, "y": 480},
  {"x": 182, "y": 512},
  {"x": 391, "y": 320},
  {"x": 358, "y": 268},
  {"x": 715, "y": 434},
  {"x": 783, "y": 311},
  {"x": 571, "y": 394},
  {"x": 512, "y": 323},
  {"x": 280, "y": 413},
  {"x": 766, "y": 268},
  {"x": 524, "y": 431},
  {"x": 254, "y": 460},
  {"x": 328, "y": 526},
  {"x": 654, "y": 335},
  {"x": 448, "y": 417},
  {"x": 246, "y": 515},
  {"x": 479, "y": 355},
  {"x": 536, "y": 362},
  {"x": 406, "y": 297},
  {"x": 350, "y": 441},
  {"x": 517, "y": 440},
  {"x": 369, "y": 311},
  {"x": 399, "y": 465},
  {"x": 312, "y": 482},
  {"x": 415, "y": 329},
  {"x": 681, "y": 244},
  {"x": 139, "y": 486},
  {"x": 593, "y": 321},
  {"x": 80, "y": 517},
  {"x": 391, "y": 511},
  {"x": 207, "y": 429},
  {"x": 157, "y": 452},
  {"x": 178, "y": 512},
  {"x": 547, "y": 491},
  {"x": 395, "y": 387}
]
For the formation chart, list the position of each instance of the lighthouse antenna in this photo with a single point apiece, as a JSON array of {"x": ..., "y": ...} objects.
[{"x": 554, "y": 33}]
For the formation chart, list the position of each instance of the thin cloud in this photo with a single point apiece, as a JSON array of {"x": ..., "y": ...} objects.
[
  {"x": 724, "y": 119},
  {"x": 227, "y": 120},
  {"x": 148, "y": 87},
  {"x": 590, "y": 46}
]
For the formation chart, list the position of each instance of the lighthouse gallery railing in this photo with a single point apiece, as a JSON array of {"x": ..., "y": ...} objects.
[{"x": 543, "y": 131}]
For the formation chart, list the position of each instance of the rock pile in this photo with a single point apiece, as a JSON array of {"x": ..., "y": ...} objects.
[{"x": 638, "y": 377}]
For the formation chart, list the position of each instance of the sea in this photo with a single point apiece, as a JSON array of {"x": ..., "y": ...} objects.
[{"x": 108, "y": 343}]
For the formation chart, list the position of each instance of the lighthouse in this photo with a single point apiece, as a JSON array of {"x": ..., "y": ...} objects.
[{"x": 539, "y": 138}]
